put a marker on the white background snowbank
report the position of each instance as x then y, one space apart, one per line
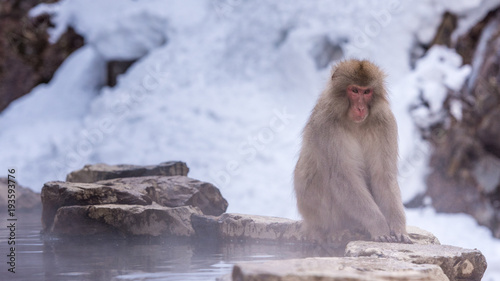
227 86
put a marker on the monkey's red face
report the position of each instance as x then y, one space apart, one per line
359 100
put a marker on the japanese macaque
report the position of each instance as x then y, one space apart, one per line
346 175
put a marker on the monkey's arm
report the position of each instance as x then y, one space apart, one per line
384 183
388 197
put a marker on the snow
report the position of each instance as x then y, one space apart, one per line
36 127
227 86
435 74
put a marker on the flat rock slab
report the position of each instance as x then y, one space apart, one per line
457 263
242 227
59 194
98 172
422 237
258 227
175 191
333 269
151 220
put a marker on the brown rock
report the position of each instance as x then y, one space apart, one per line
115 68
151 220
26 199
98 172
445 29
59 194
464 165
176 191
467 43
336 269
173 191
26 56
457 263
489 131
181 191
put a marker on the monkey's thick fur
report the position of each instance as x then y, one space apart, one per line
346 175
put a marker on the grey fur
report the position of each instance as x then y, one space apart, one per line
346 175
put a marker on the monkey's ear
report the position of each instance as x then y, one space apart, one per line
336 68
334 71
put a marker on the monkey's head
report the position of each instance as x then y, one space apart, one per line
358 88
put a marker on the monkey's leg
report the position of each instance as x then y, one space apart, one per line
308 191
352 198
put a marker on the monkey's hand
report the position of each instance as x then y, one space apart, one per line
394 238
401 237
386 239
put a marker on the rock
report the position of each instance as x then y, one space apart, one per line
465 151
420 236
466 44
175 191
489 130
26 56
457 263
115 68
445 29
98 172
423 260
26 199
331 269
151 220
252 227
59 194
242 227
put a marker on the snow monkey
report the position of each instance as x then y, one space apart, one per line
346 175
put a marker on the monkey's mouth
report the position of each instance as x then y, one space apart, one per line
359 117
361 120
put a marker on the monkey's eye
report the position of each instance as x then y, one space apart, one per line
354 90
367 92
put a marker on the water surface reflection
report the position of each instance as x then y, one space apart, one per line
119 259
